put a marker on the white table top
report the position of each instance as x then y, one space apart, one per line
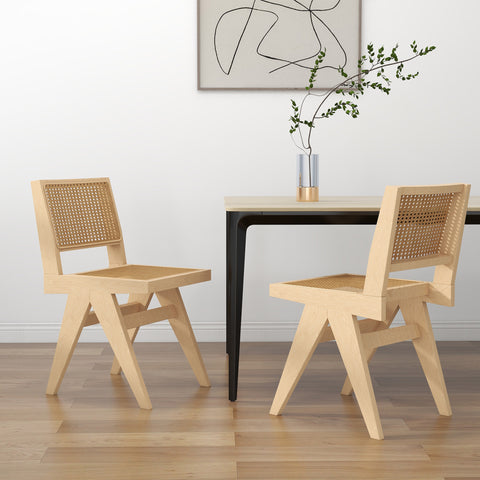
326 204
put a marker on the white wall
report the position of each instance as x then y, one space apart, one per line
108 88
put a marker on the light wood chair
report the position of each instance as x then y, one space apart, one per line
419 226
74 214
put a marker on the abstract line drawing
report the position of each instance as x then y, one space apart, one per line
273 43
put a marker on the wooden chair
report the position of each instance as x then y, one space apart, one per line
419 226
74 214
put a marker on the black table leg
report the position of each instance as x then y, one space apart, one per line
237 224
236 239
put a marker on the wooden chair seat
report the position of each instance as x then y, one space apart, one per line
127 279
417 227
346 291
348 282
81 213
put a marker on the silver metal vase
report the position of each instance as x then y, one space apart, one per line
307 177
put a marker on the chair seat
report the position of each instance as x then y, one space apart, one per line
349 283
127 279
346 289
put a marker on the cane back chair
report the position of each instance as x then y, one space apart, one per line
81 213
418 226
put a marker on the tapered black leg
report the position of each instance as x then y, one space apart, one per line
237 224
236 239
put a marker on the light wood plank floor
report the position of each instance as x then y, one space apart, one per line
94 430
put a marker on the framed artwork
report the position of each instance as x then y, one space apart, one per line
272 44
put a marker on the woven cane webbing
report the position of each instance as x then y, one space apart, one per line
138 272
421 225
82 214
345 281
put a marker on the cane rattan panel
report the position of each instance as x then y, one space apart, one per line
82 214
139 272
421 225
345 281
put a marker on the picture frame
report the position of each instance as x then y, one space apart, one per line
273 44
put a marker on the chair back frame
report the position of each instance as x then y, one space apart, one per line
74 214
419 226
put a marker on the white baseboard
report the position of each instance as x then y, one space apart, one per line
208 332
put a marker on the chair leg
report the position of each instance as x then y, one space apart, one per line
310 329
110 318
426 348
392 310
183 331
116 368
76 311
144 299
347 334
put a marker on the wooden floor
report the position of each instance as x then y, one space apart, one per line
94 430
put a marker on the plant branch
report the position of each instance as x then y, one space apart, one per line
353 85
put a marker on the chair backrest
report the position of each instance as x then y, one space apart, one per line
74 214
419 226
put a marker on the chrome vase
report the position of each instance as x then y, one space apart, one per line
307 177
